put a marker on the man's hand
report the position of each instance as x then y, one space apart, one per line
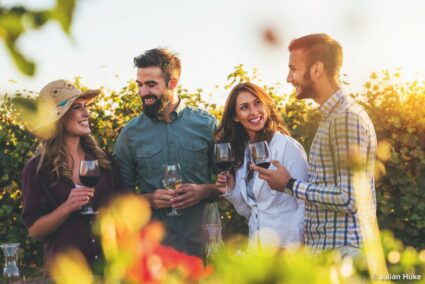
160 198
277 179
189 194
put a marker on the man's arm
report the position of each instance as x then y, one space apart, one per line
348 136
125 160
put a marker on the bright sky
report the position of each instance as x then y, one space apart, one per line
212 37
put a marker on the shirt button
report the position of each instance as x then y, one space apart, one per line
91 222
96 257
93 241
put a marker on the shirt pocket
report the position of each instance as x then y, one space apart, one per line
194 154
149 160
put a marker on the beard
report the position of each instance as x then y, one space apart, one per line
307 87
153 110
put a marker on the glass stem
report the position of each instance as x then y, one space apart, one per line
227 182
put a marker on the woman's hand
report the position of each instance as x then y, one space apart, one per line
78 197
49 223
225 182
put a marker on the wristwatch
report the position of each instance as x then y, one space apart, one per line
290 184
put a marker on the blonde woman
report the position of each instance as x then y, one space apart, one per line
51 202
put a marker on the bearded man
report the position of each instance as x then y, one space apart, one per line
169 132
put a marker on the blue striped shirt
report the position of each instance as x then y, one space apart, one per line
331 217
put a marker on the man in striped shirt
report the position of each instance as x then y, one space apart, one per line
343 150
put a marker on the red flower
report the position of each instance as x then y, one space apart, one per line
191 267
154 261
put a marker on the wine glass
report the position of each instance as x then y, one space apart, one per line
172 179
10 271
224 159
260 154
89 177
211 225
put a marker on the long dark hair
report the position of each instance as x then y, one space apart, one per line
230 131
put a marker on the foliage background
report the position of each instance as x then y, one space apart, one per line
395 108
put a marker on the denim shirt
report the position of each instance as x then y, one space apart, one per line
145 144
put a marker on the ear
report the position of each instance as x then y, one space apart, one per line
316 70
172 83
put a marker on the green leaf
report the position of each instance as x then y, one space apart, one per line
24 65
63 13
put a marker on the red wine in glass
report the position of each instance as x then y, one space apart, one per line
89 181
224 159
260 154
89 177
224 166
264 165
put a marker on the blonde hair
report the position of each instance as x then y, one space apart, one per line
53 153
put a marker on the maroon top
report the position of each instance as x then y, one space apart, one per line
41 195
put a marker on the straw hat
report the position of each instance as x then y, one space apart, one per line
54 101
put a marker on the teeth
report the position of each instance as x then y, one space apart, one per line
84 123
256 120
149 100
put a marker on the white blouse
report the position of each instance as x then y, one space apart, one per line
274 218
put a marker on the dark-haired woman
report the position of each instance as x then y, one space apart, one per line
274 219
51 200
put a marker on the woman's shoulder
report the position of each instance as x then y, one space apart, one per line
286 141
33 168
32 163
279 137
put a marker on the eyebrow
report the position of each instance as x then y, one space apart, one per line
147 82
247 103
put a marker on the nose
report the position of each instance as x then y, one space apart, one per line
289 78
255 110
143 90
86 111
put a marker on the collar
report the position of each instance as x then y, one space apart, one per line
177 112
327 108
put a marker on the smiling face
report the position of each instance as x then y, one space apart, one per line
76 119
251 113
153 90
299 75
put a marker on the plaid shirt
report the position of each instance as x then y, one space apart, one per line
331 218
